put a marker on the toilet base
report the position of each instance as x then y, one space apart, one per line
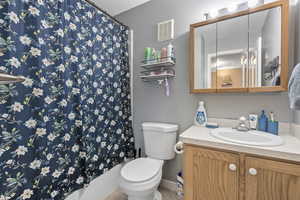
157 195
145 190
154 196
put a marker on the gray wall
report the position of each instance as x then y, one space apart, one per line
150 103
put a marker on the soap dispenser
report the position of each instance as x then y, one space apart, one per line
201 117
263 122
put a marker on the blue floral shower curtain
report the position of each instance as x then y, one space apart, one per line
69 122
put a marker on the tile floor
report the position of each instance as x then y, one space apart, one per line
166 195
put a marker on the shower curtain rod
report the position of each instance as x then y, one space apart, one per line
106 13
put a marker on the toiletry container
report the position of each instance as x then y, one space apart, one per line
153 56
170 51
158 56
180 186
148 54
263 122
164 53
253 121
201 117
273 126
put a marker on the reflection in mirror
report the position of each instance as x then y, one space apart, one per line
232 56
265 48
205 52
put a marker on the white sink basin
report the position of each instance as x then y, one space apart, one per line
252 138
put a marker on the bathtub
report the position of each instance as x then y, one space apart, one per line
100 188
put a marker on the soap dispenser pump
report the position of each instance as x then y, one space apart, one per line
201 117
263 122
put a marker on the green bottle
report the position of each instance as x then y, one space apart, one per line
148 54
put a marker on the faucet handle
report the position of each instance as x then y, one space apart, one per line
243 119
242 124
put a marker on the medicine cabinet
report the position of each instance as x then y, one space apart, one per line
242 52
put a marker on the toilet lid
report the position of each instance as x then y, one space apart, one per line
141 170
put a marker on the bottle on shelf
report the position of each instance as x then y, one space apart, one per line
170 54
148 54
153 56
164 54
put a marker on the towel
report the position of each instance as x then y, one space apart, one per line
294 89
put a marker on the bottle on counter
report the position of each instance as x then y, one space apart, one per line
263 122
201 117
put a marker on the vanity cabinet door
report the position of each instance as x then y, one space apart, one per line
210 175
271 180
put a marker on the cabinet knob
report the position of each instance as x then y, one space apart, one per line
253 171
232 167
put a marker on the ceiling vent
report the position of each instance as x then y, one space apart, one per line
166 30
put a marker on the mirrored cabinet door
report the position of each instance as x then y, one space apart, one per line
205 48
265 48
232 53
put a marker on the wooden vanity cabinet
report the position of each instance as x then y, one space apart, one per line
218 175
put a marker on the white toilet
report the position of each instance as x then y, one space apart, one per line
140 178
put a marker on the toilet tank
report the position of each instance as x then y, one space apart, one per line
159 139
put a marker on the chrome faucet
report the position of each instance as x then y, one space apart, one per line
242 125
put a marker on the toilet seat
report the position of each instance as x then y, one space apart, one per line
141 170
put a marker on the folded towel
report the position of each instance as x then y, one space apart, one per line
294 89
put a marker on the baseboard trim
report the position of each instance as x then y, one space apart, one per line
170 185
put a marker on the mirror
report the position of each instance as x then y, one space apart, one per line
232 59
265 48
242 52
206 52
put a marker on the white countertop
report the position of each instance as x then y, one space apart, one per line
290 150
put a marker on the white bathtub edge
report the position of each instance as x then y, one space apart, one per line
100 188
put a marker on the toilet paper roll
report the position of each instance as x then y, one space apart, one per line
178 148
